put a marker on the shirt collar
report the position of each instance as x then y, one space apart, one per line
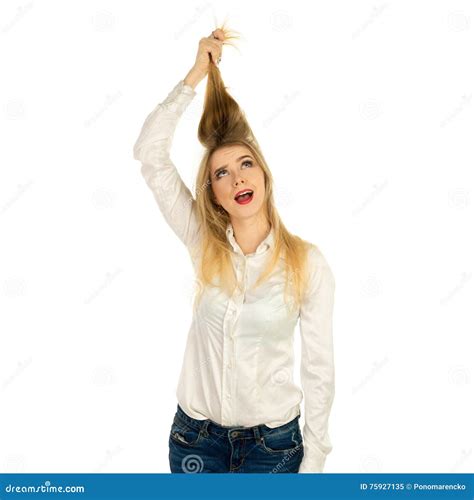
262 247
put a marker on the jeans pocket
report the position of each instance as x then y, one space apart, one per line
183 433
283 441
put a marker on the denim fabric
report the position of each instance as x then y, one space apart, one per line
205 446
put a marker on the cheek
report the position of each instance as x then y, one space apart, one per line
259 180
220 190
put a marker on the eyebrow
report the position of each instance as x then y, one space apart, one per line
238 159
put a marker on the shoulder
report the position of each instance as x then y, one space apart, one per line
315 255
318 265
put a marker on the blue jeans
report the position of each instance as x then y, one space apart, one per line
205 446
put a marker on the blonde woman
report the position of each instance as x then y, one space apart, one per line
238 407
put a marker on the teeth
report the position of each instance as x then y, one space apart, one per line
245 192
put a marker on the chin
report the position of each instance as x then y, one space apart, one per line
246 211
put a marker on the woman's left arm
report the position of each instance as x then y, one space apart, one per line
317 361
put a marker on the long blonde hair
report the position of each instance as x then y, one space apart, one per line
223 123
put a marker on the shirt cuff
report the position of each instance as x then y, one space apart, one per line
313 461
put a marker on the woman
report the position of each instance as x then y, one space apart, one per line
238 408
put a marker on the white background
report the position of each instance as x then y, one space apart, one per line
364 113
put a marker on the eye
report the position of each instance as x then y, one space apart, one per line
218 175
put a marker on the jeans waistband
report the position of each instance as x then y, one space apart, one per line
209 426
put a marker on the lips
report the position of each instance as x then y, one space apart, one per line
243 197
242 191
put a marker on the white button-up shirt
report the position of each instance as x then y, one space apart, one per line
238 362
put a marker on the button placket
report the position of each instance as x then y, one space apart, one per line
234 305
228 375
227 385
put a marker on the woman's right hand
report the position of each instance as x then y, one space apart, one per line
211 45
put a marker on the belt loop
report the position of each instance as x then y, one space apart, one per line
256 433
204 431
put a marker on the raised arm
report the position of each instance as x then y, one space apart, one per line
317 362
152 148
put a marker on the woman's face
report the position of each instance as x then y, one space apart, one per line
234 169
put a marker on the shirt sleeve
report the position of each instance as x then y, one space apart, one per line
317 362
152 149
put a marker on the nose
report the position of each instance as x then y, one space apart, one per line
238 181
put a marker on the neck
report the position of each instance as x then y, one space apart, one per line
249 233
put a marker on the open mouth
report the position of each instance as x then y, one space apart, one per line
244 198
